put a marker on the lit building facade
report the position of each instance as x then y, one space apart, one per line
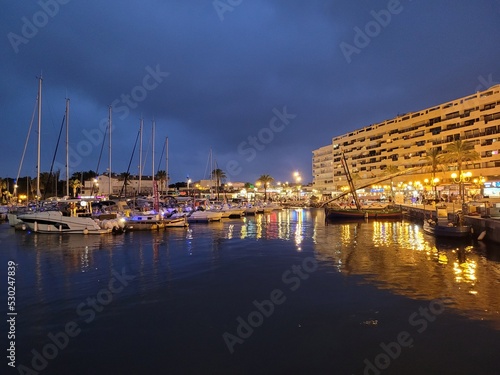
402 142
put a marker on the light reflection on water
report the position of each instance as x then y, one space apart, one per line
396 256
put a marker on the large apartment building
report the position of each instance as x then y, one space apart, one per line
402 142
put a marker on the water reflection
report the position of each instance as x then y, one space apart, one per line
396 255
400 257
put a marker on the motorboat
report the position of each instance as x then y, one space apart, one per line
203 216
144 221
57 222
176 222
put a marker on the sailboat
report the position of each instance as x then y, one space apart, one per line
338 212
53 220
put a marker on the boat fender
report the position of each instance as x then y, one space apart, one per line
85 231
482 235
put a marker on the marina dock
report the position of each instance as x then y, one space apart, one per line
479 224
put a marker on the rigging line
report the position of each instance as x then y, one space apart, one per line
54 157
130 163
143 166
209 165
100 156
161 157
27 139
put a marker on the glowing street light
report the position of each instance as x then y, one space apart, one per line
298 178
433 183
460 180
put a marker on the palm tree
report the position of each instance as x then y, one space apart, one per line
460 152
434 161
265 179
75 184
162 176
219 177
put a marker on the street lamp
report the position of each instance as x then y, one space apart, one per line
460 180
479 182
433 183
298 178
96 186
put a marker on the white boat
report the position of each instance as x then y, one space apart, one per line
264 209
177 222
204 216
4 210
14 211
56 222
250 210
234 211
144 221
274 206
229 211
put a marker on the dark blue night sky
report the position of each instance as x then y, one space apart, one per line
261 83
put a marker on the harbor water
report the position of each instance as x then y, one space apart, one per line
281 293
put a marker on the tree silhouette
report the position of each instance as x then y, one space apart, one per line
265 179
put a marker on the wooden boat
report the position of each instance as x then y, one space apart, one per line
339 213
450 230
441 226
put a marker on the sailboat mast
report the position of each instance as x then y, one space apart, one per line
109 124
140 155
166 164
38 194
153 151
211 162
67 147
350 182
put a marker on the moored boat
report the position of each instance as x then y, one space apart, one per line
56 222
177 222
442 226
339 213
204 216
449 230
144 221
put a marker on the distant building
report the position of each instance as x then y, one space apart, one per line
403 141
101 186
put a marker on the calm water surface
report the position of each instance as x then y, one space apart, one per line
272 294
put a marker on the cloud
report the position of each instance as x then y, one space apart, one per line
225 78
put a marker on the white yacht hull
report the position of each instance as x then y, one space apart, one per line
56 222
